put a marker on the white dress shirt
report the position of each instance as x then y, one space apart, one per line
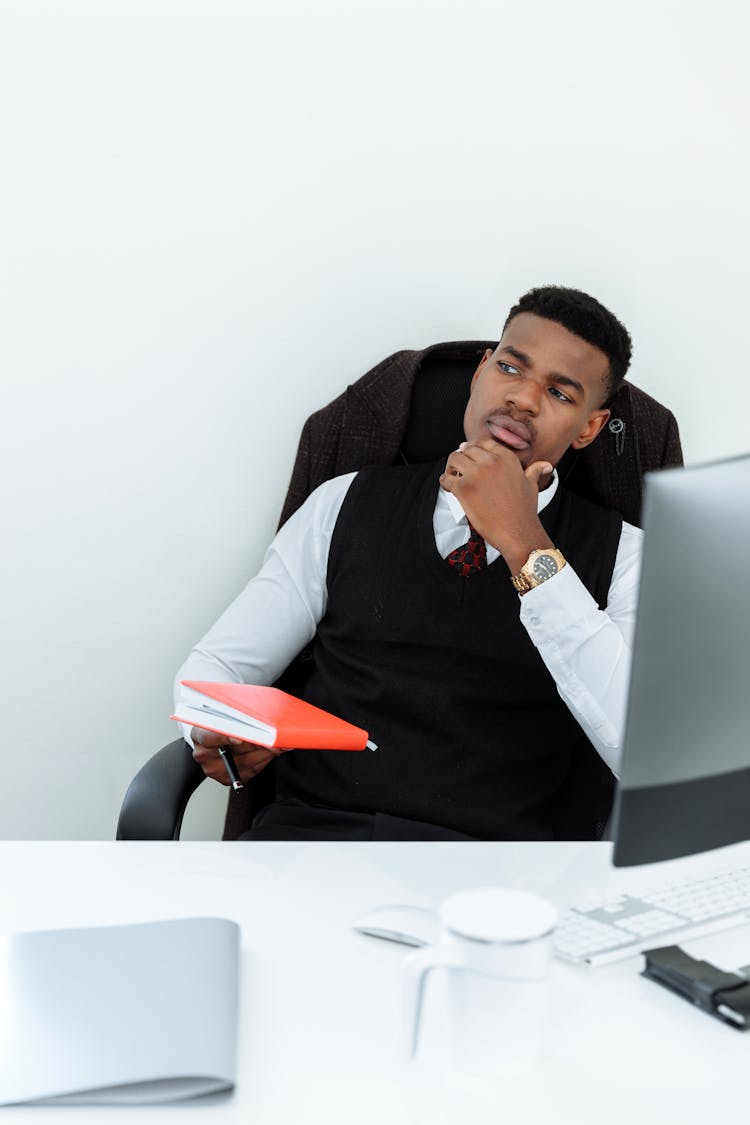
586 650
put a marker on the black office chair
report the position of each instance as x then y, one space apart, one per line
417 399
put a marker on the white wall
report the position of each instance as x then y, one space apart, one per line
215 214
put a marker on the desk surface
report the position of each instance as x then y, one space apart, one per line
320 1004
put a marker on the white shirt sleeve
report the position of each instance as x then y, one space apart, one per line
588 650
278 611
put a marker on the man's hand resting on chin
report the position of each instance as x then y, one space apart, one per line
499 497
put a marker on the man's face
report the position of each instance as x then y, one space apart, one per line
539 392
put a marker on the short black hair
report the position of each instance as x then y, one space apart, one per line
585 317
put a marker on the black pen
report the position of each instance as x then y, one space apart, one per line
231 767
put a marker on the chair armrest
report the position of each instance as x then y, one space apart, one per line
158 794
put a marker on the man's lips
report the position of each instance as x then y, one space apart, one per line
505 429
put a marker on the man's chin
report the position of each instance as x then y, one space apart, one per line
525 456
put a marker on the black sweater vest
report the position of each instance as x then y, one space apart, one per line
471 731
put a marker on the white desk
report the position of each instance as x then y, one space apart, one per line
320 1004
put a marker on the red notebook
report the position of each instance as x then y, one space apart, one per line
265 715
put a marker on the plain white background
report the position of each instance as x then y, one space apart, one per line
214 215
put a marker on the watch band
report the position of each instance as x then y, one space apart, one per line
542 563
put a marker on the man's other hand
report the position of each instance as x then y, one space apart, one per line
249 758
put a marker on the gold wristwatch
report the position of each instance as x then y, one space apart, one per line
541 564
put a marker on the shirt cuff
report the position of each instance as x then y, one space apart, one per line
186 735
550 608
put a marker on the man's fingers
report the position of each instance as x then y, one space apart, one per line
459 461
471 453
208 738
248 758
486 445
537 470
246 751
469 456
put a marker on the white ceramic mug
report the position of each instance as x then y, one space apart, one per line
497 946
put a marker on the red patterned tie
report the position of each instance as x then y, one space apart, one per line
470 557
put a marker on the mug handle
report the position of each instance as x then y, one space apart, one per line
415 968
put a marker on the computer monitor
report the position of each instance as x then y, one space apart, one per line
685 773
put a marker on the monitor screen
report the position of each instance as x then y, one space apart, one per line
685 774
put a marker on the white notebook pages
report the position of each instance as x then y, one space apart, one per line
119 1015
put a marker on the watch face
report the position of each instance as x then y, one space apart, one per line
544 567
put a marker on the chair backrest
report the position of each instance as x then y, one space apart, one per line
409 408
434 423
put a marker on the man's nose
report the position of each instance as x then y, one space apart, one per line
525 396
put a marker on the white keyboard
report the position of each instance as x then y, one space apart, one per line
623 926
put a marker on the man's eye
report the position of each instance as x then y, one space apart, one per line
511 370
559 394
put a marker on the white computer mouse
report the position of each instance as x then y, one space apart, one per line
409 925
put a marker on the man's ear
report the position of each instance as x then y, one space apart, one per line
597 420
487 353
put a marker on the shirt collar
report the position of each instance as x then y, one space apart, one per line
454 504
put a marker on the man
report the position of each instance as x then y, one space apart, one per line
487 678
